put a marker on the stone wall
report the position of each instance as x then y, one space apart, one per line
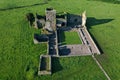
44 70
51 17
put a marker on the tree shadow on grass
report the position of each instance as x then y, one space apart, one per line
17 7
56 66
108 1
91 21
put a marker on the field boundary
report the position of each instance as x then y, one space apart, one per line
102 69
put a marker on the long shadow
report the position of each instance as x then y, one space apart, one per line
18 7
108 1
39 16
52 43
41 37
73 19
61 15
61 37
97 44
91 21
56 66
64 51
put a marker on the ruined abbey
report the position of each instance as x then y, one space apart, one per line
52 25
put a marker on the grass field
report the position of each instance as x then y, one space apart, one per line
19 56
110 1
69 38
17 3
72 69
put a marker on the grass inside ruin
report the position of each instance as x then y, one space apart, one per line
45 64
69 37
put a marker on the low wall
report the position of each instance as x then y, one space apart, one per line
44 72
98 52
47 48
57 43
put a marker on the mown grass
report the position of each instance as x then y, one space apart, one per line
19 56
4 4
69 38
74 68
110 1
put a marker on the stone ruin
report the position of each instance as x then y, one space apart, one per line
50 19
40 38
61 20
39 23
73 20
30 17
52 23
45 65
84 18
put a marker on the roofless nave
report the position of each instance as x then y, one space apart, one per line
52 27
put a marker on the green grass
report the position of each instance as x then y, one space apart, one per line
19 57
17 3
69 38
74 68
110 1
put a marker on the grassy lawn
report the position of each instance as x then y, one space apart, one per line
74 68
19 57
69 38
110 1
18 3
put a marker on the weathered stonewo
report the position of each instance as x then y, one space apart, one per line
51 17
40 38
84 18
88 47
30 17
45 65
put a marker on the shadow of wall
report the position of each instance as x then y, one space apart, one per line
17 7
91 21
108 1
64 51
56 66
61 37
73 19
